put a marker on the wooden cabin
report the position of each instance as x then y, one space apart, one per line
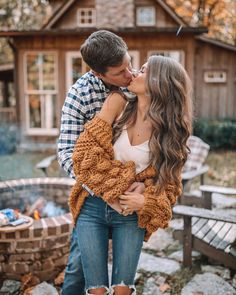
48 61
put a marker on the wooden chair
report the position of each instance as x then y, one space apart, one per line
194 167
209 232
45 163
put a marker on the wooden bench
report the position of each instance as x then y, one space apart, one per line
209 232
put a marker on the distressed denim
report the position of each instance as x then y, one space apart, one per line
92 229
74 282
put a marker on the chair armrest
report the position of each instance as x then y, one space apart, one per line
203 213
45 163
194 173
217 189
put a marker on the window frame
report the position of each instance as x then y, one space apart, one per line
93 17
159 51
141 24
215 79
69 77
42 93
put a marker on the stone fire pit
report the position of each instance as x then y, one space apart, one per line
42 249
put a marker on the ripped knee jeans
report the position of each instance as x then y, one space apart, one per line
94 222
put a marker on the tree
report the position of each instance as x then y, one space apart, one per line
20 15
23 14
219 16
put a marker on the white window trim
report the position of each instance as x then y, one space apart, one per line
92 24
182 54
69 77
215 79
138 23
38 131
136 58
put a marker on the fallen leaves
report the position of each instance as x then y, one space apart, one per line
164 287
59 279
28 281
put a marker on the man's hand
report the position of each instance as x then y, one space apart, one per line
136 187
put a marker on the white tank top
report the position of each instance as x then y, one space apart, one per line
124 151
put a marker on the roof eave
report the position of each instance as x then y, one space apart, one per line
84 31
216 42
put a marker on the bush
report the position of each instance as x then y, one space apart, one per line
8 139
217 133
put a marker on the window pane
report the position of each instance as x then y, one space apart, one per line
86 17
33 63
48 64
76 68
34 111
176 55
146 16
50 111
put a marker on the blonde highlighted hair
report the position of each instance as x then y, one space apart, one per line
170 112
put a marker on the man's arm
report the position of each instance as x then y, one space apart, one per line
72 124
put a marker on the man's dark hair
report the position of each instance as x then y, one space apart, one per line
103 49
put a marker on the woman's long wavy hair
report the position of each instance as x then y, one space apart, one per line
170 113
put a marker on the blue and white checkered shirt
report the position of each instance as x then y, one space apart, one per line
84 99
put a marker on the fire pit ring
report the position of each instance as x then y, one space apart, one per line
43 248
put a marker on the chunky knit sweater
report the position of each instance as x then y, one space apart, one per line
94 165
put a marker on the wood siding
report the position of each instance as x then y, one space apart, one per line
215 100
69 20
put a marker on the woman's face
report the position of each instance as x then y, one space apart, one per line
138 82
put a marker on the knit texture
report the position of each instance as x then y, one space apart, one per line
94 166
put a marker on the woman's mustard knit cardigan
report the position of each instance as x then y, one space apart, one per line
94 166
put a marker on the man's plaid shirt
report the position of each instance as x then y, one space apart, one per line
84 99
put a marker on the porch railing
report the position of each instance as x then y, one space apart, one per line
8 115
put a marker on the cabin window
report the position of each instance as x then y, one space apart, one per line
75 67
146 16
177 55
86 17
41 93
215 76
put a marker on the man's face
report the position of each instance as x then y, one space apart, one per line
118 76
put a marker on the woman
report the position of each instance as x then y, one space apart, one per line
149 145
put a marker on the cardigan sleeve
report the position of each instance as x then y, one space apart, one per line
94 164
157 209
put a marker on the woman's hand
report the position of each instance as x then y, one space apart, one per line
130 202
116 206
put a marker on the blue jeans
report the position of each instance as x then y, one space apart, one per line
74 282
92 229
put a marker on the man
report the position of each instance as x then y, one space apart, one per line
106 54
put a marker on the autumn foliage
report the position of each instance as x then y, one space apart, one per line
219 16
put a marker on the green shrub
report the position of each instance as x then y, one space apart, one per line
8 139
217 133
